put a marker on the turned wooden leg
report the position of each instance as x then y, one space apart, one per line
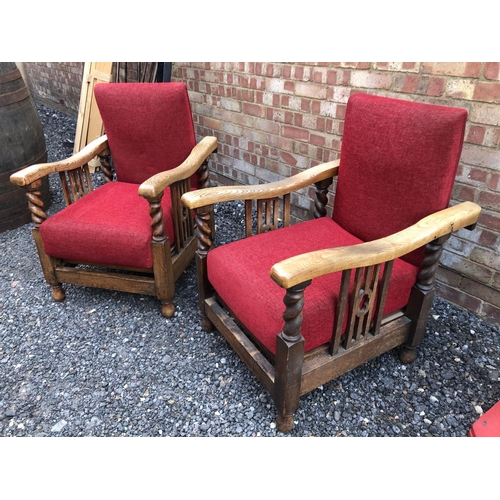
289 359
49 265
204 232
421 298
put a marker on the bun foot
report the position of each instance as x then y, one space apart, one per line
58 293
407 355
168 309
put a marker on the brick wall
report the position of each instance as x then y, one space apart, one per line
56 84
274 119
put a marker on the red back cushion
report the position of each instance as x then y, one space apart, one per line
149 127
398 164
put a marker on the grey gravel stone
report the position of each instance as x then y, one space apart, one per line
105 363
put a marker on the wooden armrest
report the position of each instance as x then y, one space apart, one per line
32 173
209 196
295 270
152 187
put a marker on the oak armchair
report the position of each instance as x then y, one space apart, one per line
305 303
132 233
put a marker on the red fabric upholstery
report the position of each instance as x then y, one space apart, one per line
149 127
398 164
239 272
110 226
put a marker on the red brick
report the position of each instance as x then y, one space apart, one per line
298 72
488 92
487 114
491 313
492 70
489 239
464 69
406 83
317 140
494 183
486 257
295 133
476 134
288 158
458 297
464 193
488 199
312 90
331 77
253 109
371 80
489 220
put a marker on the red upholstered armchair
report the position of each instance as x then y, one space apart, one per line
135 221
308 302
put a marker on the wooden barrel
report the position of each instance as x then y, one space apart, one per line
22 143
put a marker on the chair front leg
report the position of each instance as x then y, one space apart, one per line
162 259
48 263
421 298
289 358
204 216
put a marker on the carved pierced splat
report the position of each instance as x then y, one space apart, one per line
183 220
76 183
268 212
360 311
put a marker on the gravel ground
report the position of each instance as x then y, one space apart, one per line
105 363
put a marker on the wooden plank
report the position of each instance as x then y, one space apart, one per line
107 280
320 366
89 123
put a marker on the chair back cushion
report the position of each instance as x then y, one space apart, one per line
398 164
149 127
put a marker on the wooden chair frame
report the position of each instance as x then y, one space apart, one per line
292 373
169 260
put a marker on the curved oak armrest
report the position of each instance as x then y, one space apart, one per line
152 187
32 173
209 196
295 270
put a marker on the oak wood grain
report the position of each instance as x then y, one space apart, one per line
300 268
34 172
210 196
153 186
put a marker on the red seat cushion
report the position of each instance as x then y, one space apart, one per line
111 225
149 127
398 164
239 272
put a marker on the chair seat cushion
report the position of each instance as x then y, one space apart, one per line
240 273
109 226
